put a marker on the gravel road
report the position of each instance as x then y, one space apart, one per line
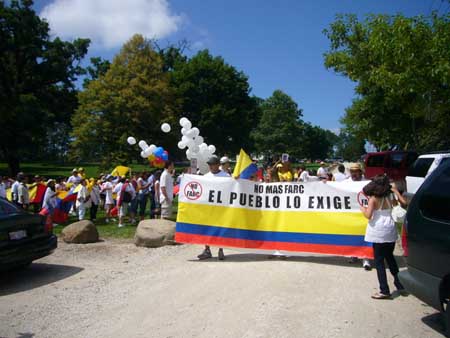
114 289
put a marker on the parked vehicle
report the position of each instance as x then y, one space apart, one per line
428 243
422 168
24 237
394 164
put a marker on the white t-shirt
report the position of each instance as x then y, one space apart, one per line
15 190
129 188
166 181
75 180
220 173
304 176
49 199
23 194
95 195
338 177
107 188
322 173
141 182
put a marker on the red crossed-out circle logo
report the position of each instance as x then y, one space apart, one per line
193 190
363 200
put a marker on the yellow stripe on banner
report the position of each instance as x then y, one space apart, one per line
339 223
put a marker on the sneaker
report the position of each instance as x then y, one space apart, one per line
107 220
366 265
221 254
120 225
205 254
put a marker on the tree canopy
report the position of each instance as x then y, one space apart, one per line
402 69
37 74
131 98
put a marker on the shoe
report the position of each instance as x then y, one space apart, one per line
366 265
380 295
221 254
120 225
399 285
107 220
353 260
205 254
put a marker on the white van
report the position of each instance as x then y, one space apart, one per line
422 168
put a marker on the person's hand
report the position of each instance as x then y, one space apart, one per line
362 208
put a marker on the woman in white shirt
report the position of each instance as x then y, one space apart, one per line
381 230
49 202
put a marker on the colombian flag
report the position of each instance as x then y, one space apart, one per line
245 167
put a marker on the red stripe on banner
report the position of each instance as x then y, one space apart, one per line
341 250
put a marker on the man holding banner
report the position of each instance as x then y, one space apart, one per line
214 171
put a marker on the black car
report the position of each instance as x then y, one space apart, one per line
24 237
428 243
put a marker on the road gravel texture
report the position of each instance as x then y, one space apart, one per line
114 289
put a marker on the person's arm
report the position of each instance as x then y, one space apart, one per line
368 211
400 198
164 193
157 192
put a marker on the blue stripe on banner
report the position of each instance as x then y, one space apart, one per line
249 171
273 236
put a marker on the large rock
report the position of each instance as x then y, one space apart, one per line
80 232
153 233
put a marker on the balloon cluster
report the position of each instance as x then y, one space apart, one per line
157 156
196 147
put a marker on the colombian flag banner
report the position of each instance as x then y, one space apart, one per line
311 217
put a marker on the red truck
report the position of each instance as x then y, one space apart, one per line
394 164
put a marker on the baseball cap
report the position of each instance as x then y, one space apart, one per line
213 160
224 160
355 166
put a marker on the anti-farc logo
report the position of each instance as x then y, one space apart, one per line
193 190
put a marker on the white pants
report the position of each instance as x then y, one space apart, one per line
81 211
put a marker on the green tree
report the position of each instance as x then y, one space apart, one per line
97 68
132 98
280 128
215 97
402 69
37 77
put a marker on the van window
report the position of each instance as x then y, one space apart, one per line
420 167
436 199
375 161
396 160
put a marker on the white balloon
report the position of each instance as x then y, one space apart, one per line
183 131
185 139
199 140
188 154
195 149
191 133
190 144
165 127
212 148
203 146
152 148
196 131
143 154
183 121
204 168
131 140
187 124
181 145
143 145
147 152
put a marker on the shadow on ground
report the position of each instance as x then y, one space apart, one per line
436 322
34 276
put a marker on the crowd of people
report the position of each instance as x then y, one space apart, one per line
130 197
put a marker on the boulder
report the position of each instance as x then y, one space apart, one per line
80 232
153 233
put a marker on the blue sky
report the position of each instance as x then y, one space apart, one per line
277 44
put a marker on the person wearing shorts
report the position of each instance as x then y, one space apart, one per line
166 190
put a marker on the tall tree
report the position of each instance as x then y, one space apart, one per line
215 97
37 77
132 98
280 128
402 69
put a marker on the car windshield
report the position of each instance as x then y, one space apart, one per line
7 208
420 167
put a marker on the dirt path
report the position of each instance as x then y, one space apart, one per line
112 289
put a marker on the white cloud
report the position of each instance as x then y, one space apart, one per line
110 23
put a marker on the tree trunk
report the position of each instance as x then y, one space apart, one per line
13 163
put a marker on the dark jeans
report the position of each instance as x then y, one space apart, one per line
381 252
142 200
93 211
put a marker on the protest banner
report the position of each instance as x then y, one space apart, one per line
299 217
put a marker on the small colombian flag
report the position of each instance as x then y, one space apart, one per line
245 167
